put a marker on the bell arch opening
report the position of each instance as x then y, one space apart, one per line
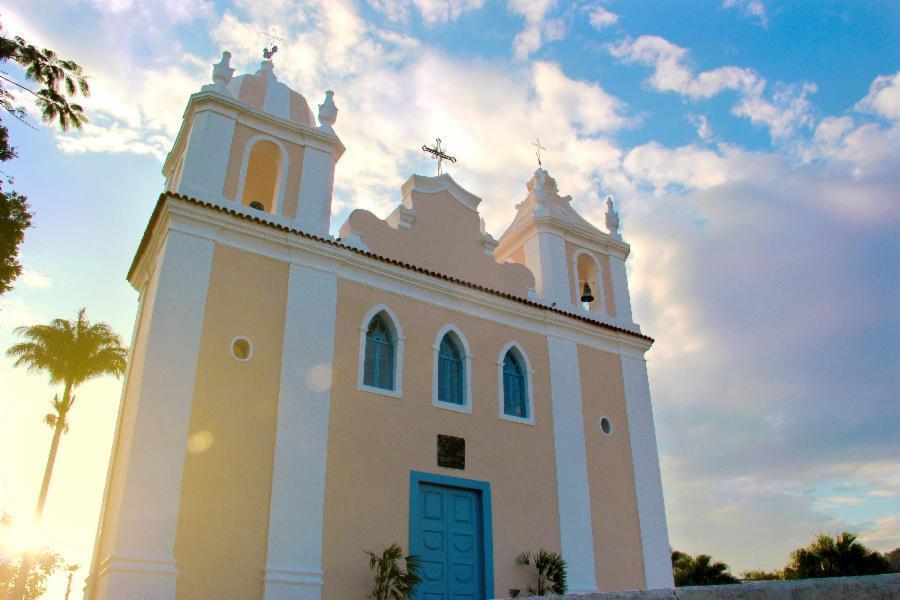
588 282
262 178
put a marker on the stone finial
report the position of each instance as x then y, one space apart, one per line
612 219
222 73
328 112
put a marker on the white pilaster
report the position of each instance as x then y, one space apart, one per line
206 156
621 296
316 184
141 562
545 255
294 563
647 482
573 488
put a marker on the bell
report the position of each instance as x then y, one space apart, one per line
586 295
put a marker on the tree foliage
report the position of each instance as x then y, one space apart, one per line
44 563
59 81
396 576
838 556
893 558
550 572
699 570
759 575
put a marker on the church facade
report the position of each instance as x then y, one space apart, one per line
295 399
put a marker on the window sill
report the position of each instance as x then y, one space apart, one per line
520 420
460 408
380 391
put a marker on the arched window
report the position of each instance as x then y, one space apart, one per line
262 176
588 277
515 386
450 372
378 370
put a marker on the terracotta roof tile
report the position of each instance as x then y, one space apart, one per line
166 195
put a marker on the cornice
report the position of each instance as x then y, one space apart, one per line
214 101
603 242
223 225
433 185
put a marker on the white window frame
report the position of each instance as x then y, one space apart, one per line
529 384
466 406
599 283
397 330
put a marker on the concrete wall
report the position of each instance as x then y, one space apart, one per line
876 587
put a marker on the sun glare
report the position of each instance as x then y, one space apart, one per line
23 535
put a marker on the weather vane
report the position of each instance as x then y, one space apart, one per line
537 144
271 37
438 154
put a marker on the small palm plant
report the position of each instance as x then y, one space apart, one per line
550 569
396 576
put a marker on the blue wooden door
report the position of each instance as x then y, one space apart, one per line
447 534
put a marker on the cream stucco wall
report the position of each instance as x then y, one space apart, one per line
617 535
220 546
376 440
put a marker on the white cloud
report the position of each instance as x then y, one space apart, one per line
432 11
787 110
34 279
704 131
601 18
750 8
883 97
537 29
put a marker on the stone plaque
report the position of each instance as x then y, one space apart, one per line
451 452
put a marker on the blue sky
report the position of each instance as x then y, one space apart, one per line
751 146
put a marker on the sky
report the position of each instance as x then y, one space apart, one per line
752 148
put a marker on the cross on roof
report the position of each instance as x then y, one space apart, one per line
537 144
438 153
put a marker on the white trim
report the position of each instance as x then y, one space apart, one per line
599 281
529 385
466 406
249 344
294 556
265 240
278 201
433 185
647 481
576 526
394 323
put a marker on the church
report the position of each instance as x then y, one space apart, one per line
295 398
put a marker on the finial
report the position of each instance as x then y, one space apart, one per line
537 144
612 219
328 112
221 75
268 53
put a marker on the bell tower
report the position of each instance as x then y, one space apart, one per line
576 266
251 143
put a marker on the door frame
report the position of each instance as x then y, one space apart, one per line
484 491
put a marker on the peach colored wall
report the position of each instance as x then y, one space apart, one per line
617 536
221 542
607 281
375 441
239 141
253 90
300 112
441 223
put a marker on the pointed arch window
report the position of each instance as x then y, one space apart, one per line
381 347
450 372
515 386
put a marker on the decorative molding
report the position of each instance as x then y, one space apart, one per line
400 217
433 185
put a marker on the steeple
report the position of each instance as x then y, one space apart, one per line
251 143
567 253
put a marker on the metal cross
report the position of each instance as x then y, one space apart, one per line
438 154
537 144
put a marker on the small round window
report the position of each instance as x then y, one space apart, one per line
605 426
241 349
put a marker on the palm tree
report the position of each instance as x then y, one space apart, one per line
392 580
839 556
699 570
71 353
